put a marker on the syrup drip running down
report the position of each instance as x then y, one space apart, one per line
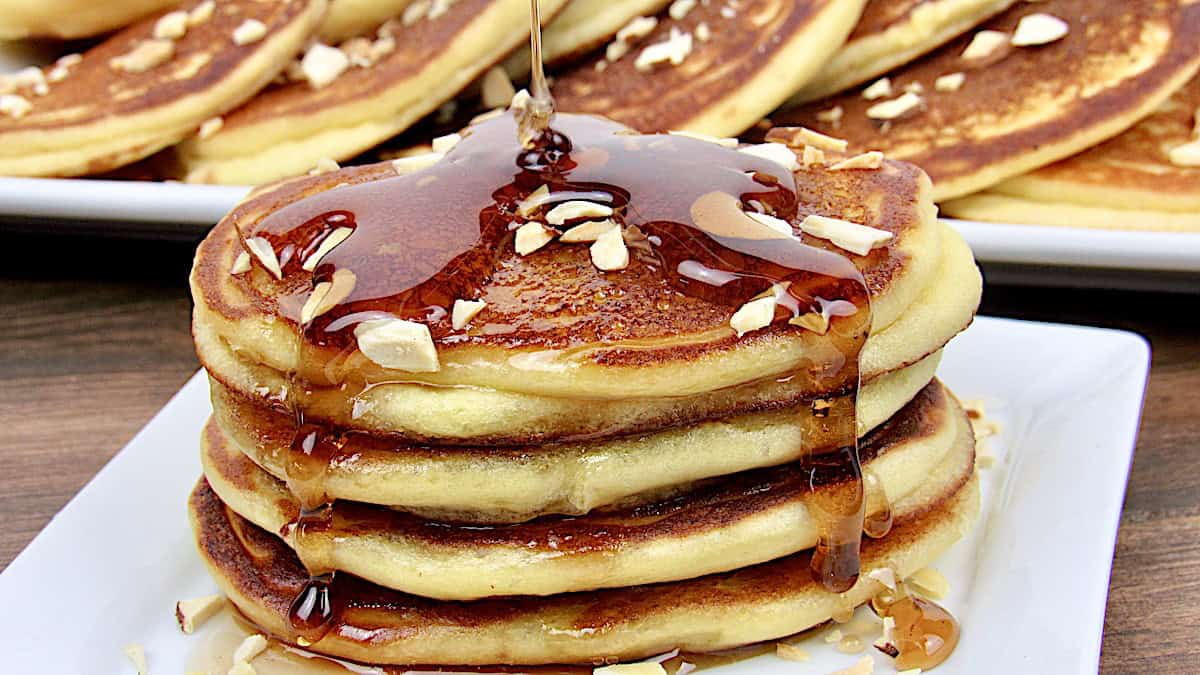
925 632
420 242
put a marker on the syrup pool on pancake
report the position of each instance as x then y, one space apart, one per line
718 228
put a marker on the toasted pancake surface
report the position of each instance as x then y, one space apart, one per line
120 103
771 600
1117 64
728 523
1128 182
71 19
752 60
287 129
644 345
581 26
892 33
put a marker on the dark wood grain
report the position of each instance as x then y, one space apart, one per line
94 340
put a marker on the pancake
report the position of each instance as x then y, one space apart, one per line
96 115
1117 64
1127 183
261 576
582 26
724 524
649 353
497 484
348 18
892 33
287 129
754 58
70 19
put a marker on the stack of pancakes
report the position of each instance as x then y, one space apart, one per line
597 466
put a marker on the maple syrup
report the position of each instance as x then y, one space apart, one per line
925 633
420 242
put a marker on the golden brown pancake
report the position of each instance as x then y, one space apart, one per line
96 115
70 19
348 18
287 129
1127 183
257 571
892 33
715 526
243 310
514 483
1117 64
754 58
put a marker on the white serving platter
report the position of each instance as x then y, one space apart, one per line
1029 584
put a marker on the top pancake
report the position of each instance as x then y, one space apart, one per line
70 19
754 57
287 129
1118 62
892 33
95 116
629 334
1128 182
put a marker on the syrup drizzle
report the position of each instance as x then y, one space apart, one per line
455 221
925 632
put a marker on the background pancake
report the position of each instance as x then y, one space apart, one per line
892 33
580 27
754 57
100 115
519 482
1129 182
685 351
724 524
772 600
71 18
348 18
287 129
1117 64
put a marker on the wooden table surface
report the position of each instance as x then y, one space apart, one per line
94 340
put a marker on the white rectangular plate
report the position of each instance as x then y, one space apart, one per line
1029 584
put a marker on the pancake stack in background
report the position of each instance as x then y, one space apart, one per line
979 93
467 418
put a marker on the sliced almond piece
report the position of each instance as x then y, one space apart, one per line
775 152
858 239
895 108
863 666
1039 29
532 236
790 652
754 315
413 163
14 106
930 582
886 643
832 115
241 264
812 321
261 248
249 32
631 669
148 55
251 647
609 252
464 311
398 344
806 136
202 12
881 88
674 50
444 144
587 232
866 160
812 156
323 64
137 655
520 100
534 201
323 166
577 209
723 142
950 82
778 224
983 44
496 89
885 576
681 8
190 614
1187 154
327 295
210 127
703 32
330 242
171 26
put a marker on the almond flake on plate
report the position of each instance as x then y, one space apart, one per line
190 614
